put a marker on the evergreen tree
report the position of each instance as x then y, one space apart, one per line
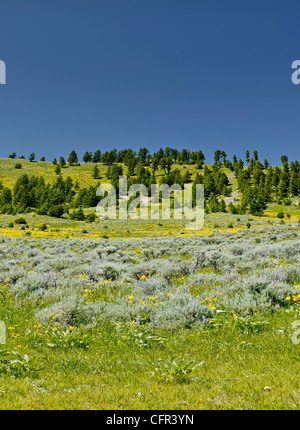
247 156
5 199
87 157
186 177
257 174
223 155
185 156
131 163
78 215
283 185
116 171
143 155
252 163
241 164
217 155
200 157
97 156
62 162
232 208
95 172
58 169
222 206
294 184
155 163
268 188
209 185
108 172
257 203
213 203
165 164
73 159
276 176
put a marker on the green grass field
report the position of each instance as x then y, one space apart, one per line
145 314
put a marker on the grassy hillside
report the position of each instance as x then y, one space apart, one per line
83 174
146 314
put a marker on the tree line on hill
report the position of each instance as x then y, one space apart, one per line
259 183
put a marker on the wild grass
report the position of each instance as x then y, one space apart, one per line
195 322
145 314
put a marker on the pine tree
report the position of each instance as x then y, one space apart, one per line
131 163
276 176
80 215
213 203
116 171
95 172
58 169
232 208
251 164
223 155
209 185
186 177
257 174
283 186
73 159
294 184
155 163
257 203
217 156
62 162
87 157
143 154
222 206
97 156
268 188
247 156
108 172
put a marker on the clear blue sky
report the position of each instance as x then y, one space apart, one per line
195 74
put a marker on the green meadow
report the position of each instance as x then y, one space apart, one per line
144 314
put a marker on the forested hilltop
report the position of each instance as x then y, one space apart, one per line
233 186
